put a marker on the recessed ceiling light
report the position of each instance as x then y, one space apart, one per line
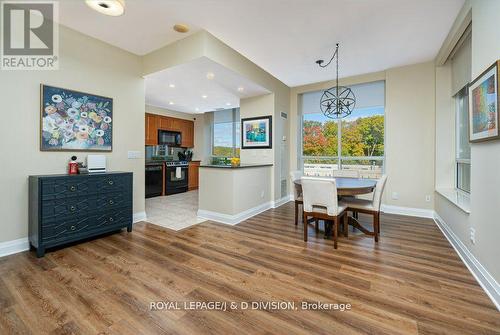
241 89
210 75
197 109
204 96
171 85
228 104
107 7
171 103
181 28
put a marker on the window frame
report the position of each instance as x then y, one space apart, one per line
460 161
235 140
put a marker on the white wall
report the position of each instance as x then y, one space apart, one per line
485 157
86 65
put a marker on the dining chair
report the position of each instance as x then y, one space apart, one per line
297 193
320 202
346 173
371 207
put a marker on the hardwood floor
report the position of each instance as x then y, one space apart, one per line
411 282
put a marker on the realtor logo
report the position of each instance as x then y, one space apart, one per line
30 35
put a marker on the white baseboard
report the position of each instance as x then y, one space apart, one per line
282 201
236 218
408 211
14 246
139 216
483 277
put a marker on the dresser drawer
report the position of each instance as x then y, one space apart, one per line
61 188
114 183
72 207
76 228
112 200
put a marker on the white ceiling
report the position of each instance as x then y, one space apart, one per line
284 37
191 84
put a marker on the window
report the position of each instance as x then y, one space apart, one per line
226 133
462 141
352 143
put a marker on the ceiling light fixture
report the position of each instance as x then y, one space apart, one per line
228 104
336 102
197 109
181 28
171 103
241 89
171 86
210 75
204 96
107 7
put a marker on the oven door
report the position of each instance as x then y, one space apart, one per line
176 182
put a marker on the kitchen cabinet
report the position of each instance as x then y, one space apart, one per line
193 175
155 122
151 132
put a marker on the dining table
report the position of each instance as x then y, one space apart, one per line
348 187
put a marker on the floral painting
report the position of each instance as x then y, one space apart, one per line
75 121
256 133
483 106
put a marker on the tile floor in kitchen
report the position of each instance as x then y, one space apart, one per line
176 212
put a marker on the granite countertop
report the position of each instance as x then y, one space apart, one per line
241 166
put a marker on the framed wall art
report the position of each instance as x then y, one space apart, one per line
256 133
483 106
75 121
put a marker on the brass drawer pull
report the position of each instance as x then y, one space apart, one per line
111 182
72 188
72 227
111 202
72 208
111 219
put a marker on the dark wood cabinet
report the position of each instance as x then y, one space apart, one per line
151 132
155 122
193 173
69 208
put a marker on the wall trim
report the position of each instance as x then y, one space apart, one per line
14 246
139 216
282 201
408 211
483 277
236 218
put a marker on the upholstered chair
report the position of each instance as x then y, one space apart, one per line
320 202
371 207
297 192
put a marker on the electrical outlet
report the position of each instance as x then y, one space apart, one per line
134 154
428 198
473 235
395 195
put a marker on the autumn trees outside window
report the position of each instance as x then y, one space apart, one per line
353 143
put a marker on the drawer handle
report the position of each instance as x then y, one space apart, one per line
72 208
111 182
111 202
111 219
72 188
72 227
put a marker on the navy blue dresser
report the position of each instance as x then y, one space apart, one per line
68 208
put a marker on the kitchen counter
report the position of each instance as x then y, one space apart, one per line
241 166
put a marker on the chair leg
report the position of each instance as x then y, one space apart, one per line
378 215
376 226
296 212
305 226
346 225
335 232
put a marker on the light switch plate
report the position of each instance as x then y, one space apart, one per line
134 155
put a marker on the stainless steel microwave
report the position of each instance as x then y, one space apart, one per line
169 138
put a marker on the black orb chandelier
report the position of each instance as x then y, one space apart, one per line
336 102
